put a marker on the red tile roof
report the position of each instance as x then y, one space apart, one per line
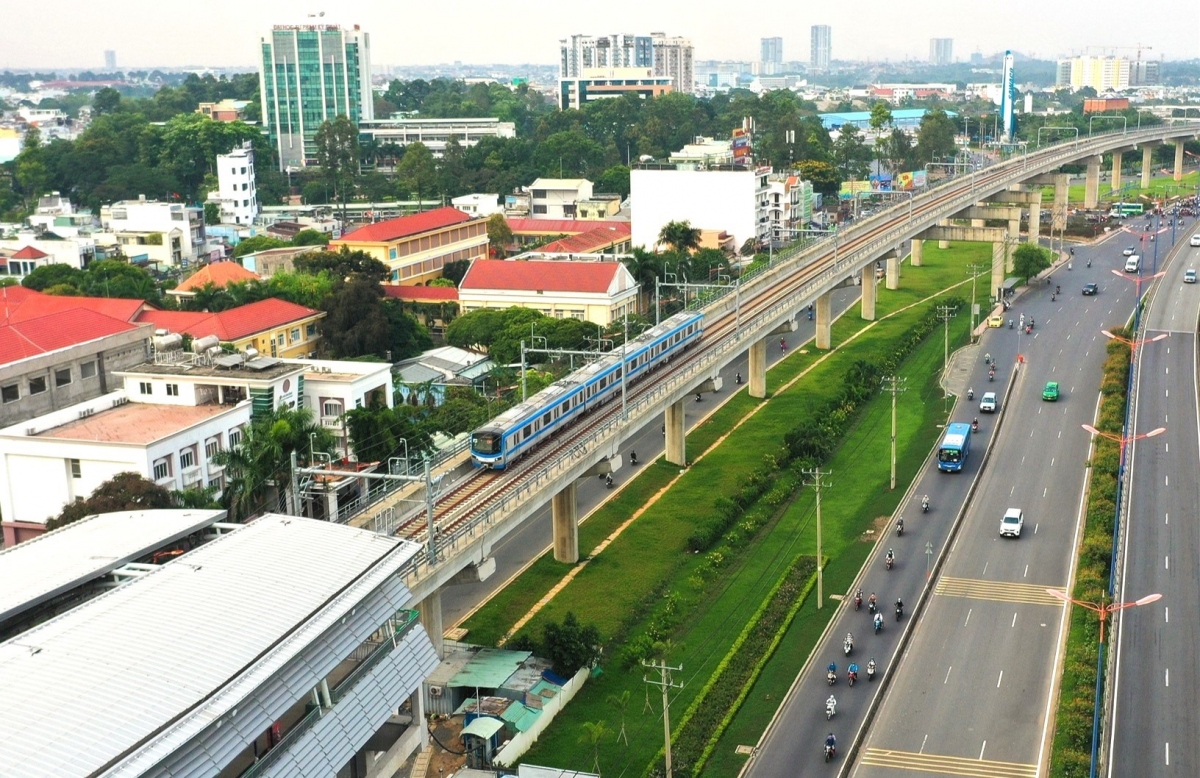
20 304
29 252
420 293
234 324
543 276
559 226
20 340
404 226
590 241
219 274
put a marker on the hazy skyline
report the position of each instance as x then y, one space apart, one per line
154 33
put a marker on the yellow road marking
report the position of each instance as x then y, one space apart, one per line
999 591
946 765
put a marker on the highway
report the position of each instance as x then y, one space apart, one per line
1156 689
976 677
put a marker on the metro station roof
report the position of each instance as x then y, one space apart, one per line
53 564
118 684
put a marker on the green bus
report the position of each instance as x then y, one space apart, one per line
1127 209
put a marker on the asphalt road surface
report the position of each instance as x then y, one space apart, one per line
520 548
1156 692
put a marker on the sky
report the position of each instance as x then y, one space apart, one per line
224 33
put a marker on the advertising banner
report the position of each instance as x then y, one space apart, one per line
881 183
850 188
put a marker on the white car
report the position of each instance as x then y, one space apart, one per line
1012 522
1189 276
987 404
1128 252
1195 241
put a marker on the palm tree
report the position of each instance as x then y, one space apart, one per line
257 470
646 268
621 702
593 733
680 236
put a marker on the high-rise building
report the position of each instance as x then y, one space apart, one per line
822 47
1100 73
673 59
1144 73
236 193
110 60
771 58
623 50
311 73
1008 92
941 51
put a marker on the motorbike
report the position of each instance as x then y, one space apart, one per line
608 481
878 625
1057 289
925 505
899 527
831 674
1089 263
899 611
872 606
857 600
1010 324
889 561
737 379
970 394
1028 329
830 752
633 457
871 671
974 428
828 710
1052 297
847 646
852 675
782 345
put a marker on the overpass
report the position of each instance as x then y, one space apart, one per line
460 528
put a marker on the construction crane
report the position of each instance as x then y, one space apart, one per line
1109 49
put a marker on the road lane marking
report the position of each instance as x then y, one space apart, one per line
923 741
1014 623
1166 518
985 742
1167 559
1167 450
1168 752
1051 461
1045 490
944 682
1166 480
1167 676
968 621
1167 615
995 591
1035 528
942 764
1026 573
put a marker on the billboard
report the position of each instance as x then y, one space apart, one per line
851 188
881 182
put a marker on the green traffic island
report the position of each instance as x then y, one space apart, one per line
1071 750
681 581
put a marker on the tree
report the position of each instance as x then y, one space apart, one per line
417 171
679 236
46 276
614 180
375 434
851 155
355 324
257 470
122 492
212 213
257 243
500 235
1029 260
570 645
881 116
896 151
106 100
337 154
646 268
823 176
935 137
593 733
311 237
407 335
343 264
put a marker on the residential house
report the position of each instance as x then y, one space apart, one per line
272 327
439 304
425 379
599 292
478 205
556 198
334 387
614 238
268 262
218 274
527 232
727 198
417 247
150 232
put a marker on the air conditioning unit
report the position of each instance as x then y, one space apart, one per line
435 691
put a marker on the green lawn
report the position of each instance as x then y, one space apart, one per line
1160 186
624 588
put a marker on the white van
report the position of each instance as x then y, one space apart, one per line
1133 263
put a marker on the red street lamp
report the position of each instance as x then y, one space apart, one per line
1137 278
1103 608
1133 344
1121 441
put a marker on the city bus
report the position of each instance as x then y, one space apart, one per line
956 444
1127 209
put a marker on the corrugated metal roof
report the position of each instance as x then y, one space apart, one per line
133 675
58 561
490 668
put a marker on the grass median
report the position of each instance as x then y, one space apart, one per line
646 571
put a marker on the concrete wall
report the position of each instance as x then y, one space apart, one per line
104 355
523 741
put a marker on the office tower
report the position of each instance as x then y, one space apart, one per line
1100 73
941 51
622 50
1144 72
822 47
1007 93
771 58
311 73
110 60
673 59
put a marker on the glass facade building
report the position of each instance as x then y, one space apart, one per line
311 73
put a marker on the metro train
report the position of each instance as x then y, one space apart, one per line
522 427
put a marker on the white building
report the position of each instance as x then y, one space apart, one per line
478 205
604 83
729 199
673 59
168 233
599 292
30 249
1100 73
821 50
703 152
334 387
941 51
435 133
236 191
789 205
556 198
624 50
165 424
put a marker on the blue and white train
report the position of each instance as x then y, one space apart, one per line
519 429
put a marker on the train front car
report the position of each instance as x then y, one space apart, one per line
487 447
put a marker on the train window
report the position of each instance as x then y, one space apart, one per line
527 431
546 419
485 443
565 406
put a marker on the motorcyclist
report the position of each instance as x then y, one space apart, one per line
633 457
852 673
831 743
925 499
831 673
849 639
899 606
1072 251
871 668
1010 324
1057 289
782 344
890 558
737 378
831 705
987 358
971 393
858 598
975 424
871 603
878 620
697 397
900 526
608 480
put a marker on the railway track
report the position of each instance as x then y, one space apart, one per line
764 299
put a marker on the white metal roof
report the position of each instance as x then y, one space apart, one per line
54 563
143 667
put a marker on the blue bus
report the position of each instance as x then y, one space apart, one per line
956 444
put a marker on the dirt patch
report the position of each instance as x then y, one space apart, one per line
879 526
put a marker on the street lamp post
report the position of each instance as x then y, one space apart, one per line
1102 609
1122 440
1137 279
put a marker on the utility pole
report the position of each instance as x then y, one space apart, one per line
974 269
815 475
665 682
946 313
895 385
